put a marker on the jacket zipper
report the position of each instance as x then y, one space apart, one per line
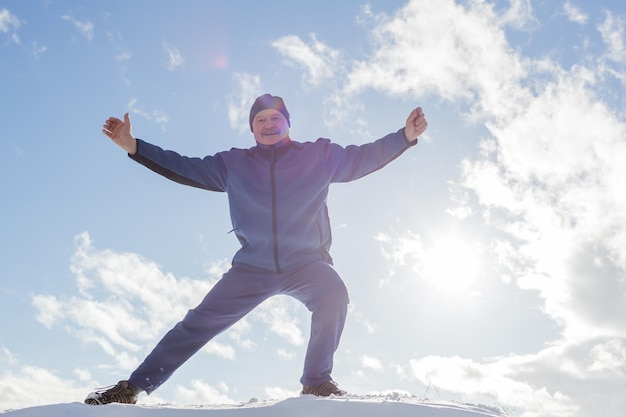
274 211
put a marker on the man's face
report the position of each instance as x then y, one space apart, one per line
269 126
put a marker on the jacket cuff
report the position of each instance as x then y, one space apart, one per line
134 156
409 144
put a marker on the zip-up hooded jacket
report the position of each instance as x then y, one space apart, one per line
277 194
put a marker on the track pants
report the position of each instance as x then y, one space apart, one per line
318 286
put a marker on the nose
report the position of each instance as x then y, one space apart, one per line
270 125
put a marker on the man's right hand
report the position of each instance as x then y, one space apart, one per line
120 132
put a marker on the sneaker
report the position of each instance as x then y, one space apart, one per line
323 390
124 392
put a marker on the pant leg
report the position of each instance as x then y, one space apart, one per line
324 293
235 295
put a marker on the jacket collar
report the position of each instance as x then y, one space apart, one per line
277 149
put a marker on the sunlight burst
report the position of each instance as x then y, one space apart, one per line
451 265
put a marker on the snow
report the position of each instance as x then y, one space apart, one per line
305 406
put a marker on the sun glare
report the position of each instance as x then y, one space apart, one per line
451 265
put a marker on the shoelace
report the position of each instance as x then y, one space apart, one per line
103 389
325 389
113 393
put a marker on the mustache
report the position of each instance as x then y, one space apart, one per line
270 131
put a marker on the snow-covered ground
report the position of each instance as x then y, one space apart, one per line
306 406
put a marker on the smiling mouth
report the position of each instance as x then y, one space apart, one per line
270 132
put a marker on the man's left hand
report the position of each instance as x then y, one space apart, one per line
415 125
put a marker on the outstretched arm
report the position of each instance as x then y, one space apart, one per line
415 125
120 132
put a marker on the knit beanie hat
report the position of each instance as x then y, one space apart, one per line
268 101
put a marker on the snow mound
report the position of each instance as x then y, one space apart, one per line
305 406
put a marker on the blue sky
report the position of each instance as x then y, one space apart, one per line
484 265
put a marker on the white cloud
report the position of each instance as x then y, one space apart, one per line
38 50
50 309
7 356
9 24
431 260
318 60
18 388
574 13
612 31
371 363
174 57
492 380
285 354
549 176
400 250
556 182
202 393
8 20
82 374
117 41
359 318
279 393
160 117
519 15
126 303
279 314
443 48
551 382
85 27
248 88
325 65
339 106
220 349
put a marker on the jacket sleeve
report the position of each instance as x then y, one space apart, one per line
356 161
208 173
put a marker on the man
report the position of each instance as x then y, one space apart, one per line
277 193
